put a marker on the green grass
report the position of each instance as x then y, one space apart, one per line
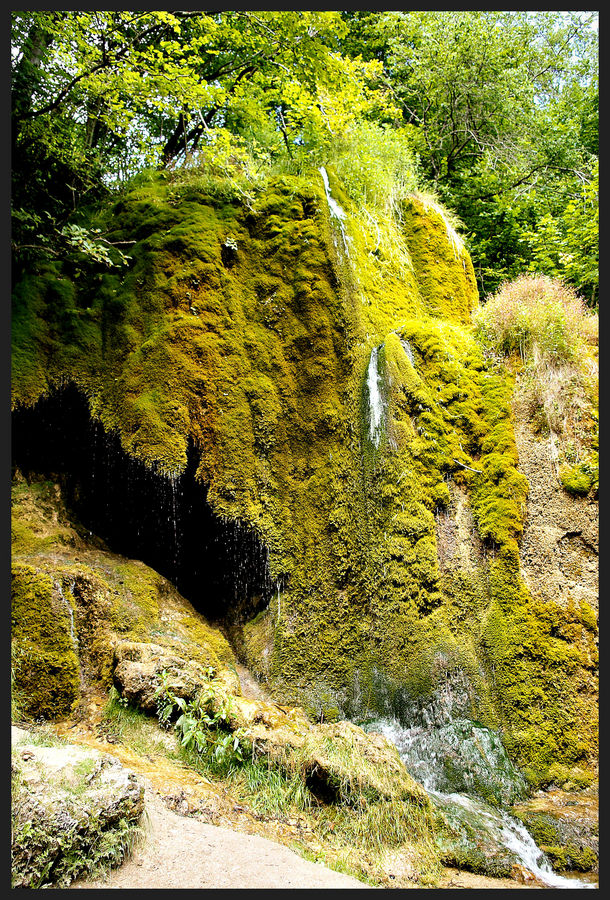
137 730
356 824
355 827
42 736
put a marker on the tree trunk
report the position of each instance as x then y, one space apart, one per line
26 76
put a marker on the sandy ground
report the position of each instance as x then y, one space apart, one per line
180 852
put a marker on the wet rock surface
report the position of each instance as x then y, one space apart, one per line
471 841
489 842
459 756
338 759
566 827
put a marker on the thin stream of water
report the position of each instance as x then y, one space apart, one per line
73 634
373 381
337 212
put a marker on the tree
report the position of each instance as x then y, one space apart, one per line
97 96
566 245
501 108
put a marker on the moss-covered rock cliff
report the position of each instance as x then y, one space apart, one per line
336 405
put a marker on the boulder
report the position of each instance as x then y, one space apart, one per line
340 761
74 810
138 667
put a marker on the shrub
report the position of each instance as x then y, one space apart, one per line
540 318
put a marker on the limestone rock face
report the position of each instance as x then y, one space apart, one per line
313 442
137 667
560 547
79 610
73 808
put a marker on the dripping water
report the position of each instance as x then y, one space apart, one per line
73 635
220 565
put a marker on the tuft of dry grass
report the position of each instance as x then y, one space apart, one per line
545 327
542 319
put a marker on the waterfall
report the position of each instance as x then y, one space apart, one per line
507 831
464 812
458 756
337 212
373 381
374 384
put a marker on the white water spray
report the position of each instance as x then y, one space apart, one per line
337 212
373 381
173 481
502 828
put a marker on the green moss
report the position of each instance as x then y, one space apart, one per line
565 855
45 664
571 858
543 678
68 615
500 492
56 838
136 605
579 479
443 269
248 331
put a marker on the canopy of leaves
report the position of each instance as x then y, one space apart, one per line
97 96
502 109
497 110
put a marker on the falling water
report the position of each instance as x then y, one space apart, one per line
373 380
336 211
73 634
174 482
492 824
406 346
163 519
503 829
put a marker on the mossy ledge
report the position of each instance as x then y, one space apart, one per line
242 330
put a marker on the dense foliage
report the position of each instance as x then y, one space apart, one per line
497 112
502 109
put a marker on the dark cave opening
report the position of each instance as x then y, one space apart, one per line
220 566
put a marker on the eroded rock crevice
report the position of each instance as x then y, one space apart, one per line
221 566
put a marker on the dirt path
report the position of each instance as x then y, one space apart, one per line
180 852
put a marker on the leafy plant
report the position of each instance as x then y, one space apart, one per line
203 723
93 245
